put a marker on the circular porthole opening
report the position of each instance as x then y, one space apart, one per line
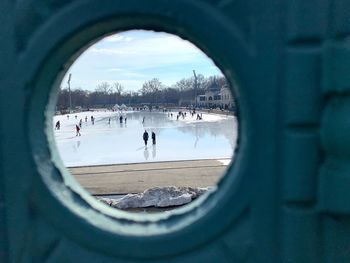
145 122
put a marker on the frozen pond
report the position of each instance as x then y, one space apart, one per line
102 143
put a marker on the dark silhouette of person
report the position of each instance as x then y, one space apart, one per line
121 119
78 130
145 137
58 125
153 138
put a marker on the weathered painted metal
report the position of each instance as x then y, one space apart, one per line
285 198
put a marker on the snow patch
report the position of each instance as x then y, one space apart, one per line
156 197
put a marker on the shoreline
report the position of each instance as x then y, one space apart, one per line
136 178
165 161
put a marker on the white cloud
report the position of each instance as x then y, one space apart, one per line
167 45
117 38
114 69
133 57
148 53
126 73
110 51
113 38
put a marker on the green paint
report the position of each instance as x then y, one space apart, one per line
285 198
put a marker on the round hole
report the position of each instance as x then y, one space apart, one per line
145 122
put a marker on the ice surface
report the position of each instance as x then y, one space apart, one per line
102 143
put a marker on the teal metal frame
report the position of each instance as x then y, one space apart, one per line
285 198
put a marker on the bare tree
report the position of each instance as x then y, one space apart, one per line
184 84
151 90
118 90
151 86
104 88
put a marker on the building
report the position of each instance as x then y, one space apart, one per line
216 96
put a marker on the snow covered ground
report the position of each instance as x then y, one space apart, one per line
102 143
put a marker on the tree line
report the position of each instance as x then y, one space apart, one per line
152 92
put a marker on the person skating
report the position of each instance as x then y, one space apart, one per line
80 123
145 137
121 119
153 138
58 125
77 128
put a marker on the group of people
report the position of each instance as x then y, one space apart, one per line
146 136
79 126
184 114
121 119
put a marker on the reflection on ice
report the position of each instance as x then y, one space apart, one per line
112 137
154 151
146 153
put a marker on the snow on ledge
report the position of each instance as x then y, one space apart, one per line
156 197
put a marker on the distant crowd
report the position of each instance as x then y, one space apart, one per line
145 136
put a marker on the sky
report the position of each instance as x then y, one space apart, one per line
135 56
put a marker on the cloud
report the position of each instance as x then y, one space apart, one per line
148 53
125 73
165 45
117 38
110 51
114 69
136 56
